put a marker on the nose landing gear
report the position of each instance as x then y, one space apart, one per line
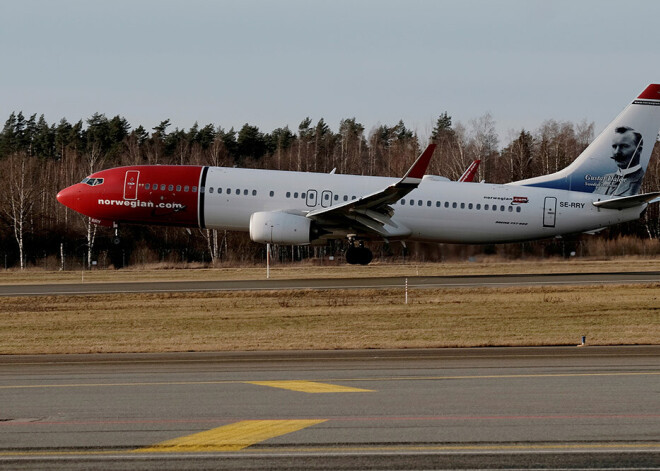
359 255
116 239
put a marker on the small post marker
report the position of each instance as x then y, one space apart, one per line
584 341
406 290
268 261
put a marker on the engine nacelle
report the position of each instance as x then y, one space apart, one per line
277 227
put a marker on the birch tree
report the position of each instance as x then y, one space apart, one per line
21 192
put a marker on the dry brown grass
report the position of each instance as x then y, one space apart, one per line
331 319
483 266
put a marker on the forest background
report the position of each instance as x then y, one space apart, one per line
37 159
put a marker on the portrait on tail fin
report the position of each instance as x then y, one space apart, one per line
627 146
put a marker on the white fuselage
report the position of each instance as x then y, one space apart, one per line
438 210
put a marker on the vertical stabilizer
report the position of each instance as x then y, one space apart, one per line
615 162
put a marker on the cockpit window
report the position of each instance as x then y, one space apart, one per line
92 181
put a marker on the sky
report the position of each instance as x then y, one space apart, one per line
274 63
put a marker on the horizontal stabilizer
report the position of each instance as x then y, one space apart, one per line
628 201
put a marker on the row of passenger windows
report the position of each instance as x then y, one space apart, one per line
235 191
327 195
164 186
454 205
187 188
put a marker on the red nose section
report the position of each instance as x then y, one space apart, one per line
69 197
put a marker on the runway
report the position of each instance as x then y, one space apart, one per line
331 283
556 407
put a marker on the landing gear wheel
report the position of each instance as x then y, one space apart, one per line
358 256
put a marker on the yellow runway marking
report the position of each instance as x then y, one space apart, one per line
308 386
233 437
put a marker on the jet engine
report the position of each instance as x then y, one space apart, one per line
278 227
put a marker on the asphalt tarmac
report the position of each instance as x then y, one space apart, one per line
338 283
505 408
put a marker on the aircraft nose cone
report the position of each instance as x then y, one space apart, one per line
67 197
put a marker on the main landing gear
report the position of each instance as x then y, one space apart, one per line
359 255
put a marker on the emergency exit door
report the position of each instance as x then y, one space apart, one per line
550 211
131 184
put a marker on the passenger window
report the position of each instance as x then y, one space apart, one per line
510 209
478 206
178 188
303 195
336 197
288 194
518 209
210 189
446 204
462 205
501 208
412 202
454 205
194 189
353 197
170 188
437 204
295 194
494 207
470 206
147 186
186 189
254 192
238 192
155 186
419 202
345 197
201 189
403 201
272 193
485 207
245 192
162 187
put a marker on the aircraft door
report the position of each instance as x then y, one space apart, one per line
131 184
326 198
311 198
549 211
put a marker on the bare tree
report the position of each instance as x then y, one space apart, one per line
20 193
483 143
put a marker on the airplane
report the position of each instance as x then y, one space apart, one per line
600 188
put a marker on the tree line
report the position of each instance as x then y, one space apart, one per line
37 159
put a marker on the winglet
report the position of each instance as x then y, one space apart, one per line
470 172
416 172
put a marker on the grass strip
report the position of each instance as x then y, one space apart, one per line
331 319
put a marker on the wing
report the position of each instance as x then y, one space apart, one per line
372 213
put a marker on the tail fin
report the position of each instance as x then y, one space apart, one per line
615 162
